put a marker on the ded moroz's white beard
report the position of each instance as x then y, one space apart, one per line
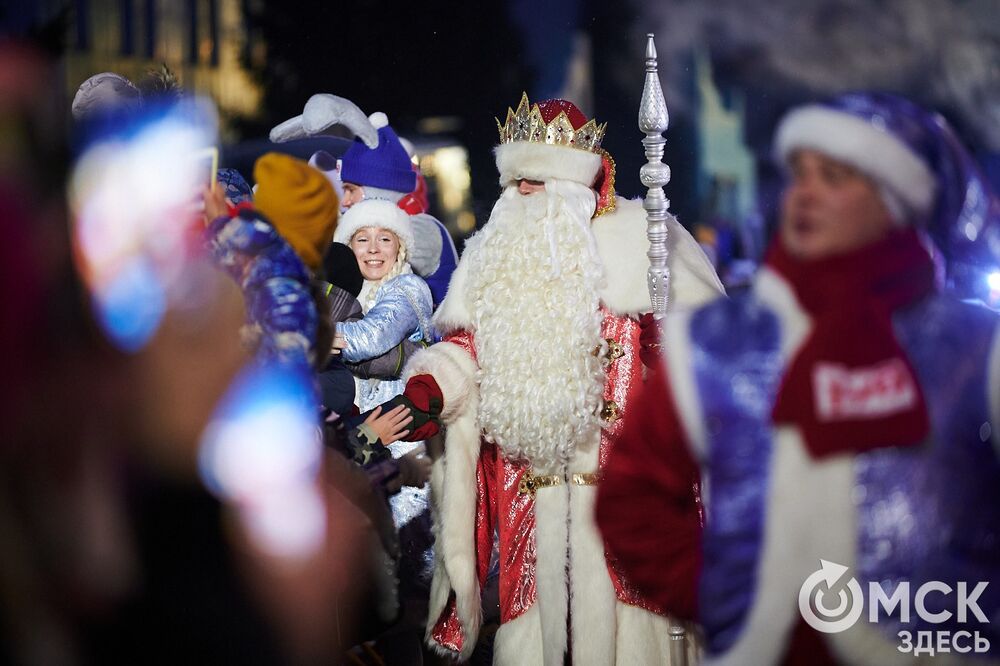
534 295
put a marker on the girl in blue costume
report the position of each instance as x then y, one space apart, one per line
397 306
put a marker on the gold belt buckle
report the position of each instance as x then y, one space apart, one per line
530 483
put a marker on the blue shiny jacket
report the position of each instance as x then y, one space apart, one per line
402 309
275 284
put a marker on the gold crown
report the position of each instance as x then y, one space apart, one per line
526 124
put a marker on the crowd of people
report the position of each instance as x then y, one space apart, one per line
505 457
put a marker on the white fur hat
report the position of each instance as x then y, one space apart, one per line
567 147
867 143
375 213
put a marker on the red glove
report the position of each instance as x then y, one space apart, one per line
425 400
649 341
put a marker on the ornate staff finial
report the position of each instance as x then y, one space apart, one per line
653 122
654 174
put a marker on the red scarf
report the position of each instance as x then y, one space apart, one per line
851 387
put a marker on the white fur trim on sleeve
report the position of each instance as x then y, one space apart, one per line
539 161
857 142
455 373
693 280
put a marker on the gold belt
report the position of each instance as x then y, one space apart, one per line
531 483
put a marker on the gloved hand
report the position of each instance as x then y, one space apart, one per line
424 399
649 341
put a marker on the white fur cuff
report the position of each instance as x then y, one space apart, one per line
455 373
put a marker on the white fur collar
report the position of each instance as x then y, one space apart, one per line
622 245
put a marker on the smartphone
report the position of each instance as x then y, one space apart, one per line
207 164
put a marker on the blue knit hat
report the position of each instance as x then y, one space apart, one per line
387 166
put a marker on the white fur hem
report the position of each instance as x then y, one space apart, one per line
519 642
455 373
540 161
593 599
640 638
644 638
857 142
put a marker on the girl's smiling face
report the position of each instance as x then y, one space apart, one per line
376 249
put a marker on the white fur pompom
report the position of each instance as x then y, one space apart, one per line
378 120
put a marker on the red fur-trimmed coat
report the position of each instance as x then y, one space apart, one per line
475 489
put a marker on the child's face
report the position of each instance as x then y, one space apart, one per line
376 250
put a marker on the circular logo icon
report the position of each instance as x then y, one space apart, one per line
830 601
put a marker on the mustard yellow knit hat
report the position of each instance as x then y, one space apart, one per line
300 202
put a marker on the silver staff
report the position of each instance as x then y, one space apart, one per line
654 174
653 121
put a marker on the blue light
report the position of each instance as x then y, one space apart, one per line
131 307
261 454
993 280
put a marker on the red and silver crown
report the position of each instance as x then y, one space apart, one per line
550 139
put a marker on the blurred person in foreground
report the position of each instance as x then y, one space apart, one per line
113 551
843 417
539 362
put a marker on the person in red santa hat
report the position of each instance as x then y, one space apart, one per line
539 362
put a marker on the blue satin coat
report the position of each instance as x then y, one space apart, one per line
275 284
